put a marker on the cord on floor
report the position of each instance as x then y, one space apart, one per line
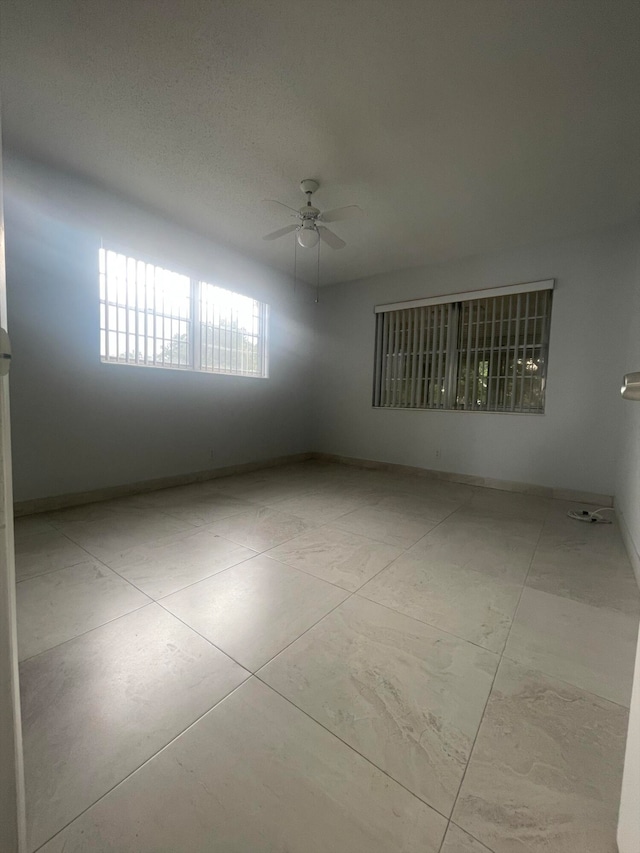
592 517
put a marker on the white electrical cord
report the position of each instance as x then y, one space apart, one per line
593 517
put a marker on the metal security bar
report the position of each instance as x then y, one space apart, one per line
502 353
488 354
232 332
154 317
412 358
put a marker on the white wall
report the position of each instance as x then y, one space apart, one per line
628 510
628 483
572 446
78 424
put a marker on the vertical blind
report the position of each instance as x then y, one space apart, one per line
483 354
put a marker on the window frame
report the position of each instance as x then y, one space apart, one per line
194 322
443 384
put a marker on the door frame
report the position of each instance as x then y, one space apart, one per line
12 791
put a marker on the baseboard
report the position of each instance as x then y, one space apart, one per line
629 544
484 482
49 504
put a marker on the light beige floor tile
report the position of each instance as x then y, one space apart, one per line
361 493
469 604
385 525
458 841
95 708
61 605
45 552
107 531
430 488
254 775
260 528
267 489
197 504
345 559
568 538
524 528
406 696
96 511
252 611
580 570
167 565
511 504
319 507
29 525
546 769
488 547
433 508
591 647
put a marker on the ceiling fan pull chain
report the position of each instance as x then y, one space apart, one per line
318 276
295 262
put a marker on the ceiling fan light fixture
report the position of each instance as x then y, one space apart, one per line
308 236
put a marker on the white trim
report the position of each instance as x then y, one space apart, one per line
507 290
630 545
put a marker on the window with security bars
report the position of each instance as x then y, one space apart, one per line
485 354
154 317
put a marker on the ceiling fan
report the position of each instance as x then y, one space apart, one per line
310 226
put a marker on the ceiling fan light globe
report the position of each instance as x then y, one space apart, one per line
308 237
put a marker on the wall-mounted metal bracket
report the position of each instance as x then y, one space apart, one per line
631 386
5 352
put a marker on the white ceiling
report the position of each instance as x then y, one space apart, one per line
460 126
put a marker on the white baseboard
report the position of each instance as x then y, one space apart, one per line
48 504
483 482
629 544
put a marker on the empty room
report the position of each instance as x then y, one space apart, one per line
320 426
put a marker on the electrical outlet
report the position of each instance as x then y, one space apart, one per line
212 455
437 454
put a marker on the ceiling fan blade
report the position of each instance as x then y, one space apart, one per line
330 238
280 232
271 201
339 213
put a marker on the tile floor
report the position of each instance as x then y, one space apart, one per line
322 659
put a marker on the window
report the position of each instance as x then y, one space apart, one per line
485 354
158 318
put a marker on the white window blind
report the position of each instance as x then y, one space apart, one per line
154 317
483 354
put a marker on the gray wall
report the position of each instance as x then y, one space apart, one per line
79 424
628 510
572 446
628 483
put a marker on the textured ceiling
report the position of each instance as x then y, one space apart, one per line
460 126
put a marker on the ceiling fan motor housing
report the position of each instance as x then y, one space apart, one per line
311 226
308 185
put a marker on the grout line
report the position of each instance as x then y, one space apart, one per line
84 633
428 624
51 571
202 636
146 761
306 631
348 594
470 836
490 693
554 677
444 837
348 745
